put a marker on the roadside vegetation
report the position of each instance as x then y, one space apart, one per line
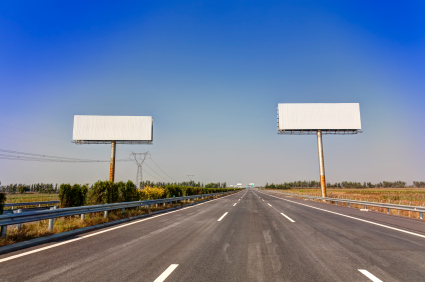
39 229
101 192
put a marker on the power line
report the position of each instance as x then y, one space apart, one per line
33 132
151 175
69 147
156 172
23 156
162 170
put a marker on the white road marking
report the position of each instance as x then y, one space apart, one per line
100 232
235 204
369 275
287 217
262 199
239 199
352 217
166 273
222 216
269 204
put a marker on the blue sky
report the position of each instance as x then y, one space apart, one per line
211 75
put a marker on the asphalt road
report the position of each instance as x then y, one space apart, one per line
263 237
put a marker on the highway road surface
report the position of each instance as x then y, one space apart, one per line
247 236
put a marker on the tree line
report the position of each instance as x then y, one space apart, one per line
344 184
184 183
106 192
23 188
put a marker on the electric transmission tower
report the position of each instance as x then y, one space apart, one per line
139 159
191 177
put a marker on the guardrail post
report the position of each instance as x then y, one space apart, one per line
421 216
105 215
123 210
349 205
388 210
51 220
156 205
83 216
18 225
3 231
365 207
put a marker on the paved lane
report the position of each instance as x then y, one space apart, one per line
347 243
138 252
248 236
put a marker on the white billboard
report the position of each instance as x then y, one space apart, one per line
112 128
319 116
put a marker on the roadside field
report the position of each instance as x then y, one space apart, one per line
400 196
31 197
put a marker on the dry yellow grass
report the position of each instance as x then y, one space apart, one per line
400 196
31 197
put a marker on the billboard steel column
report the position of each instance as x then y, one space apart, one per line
321 163
112 166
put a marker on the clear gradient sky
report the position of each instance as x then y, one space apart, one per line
211 74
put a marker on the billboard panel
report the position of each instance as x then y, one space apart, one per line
112 128
319 116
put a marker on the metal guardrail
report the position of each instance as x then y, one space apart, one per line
30 204
366 204
30 216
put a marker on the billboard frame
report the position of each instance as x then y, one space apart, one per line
318 133
308 131
114 145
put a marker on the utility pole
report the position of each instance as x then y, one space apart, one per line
139 159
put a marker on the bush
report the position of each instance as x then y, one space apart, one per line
23 189
2 201
127 192
72 196
151 193
107 192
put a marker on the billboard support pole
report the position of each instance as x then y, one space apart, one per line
321 163
112 166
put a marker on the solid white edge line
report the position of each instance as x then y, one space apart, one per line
100 232
287 217
352 217
235 204
369 275
222 216
166 273
269 204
